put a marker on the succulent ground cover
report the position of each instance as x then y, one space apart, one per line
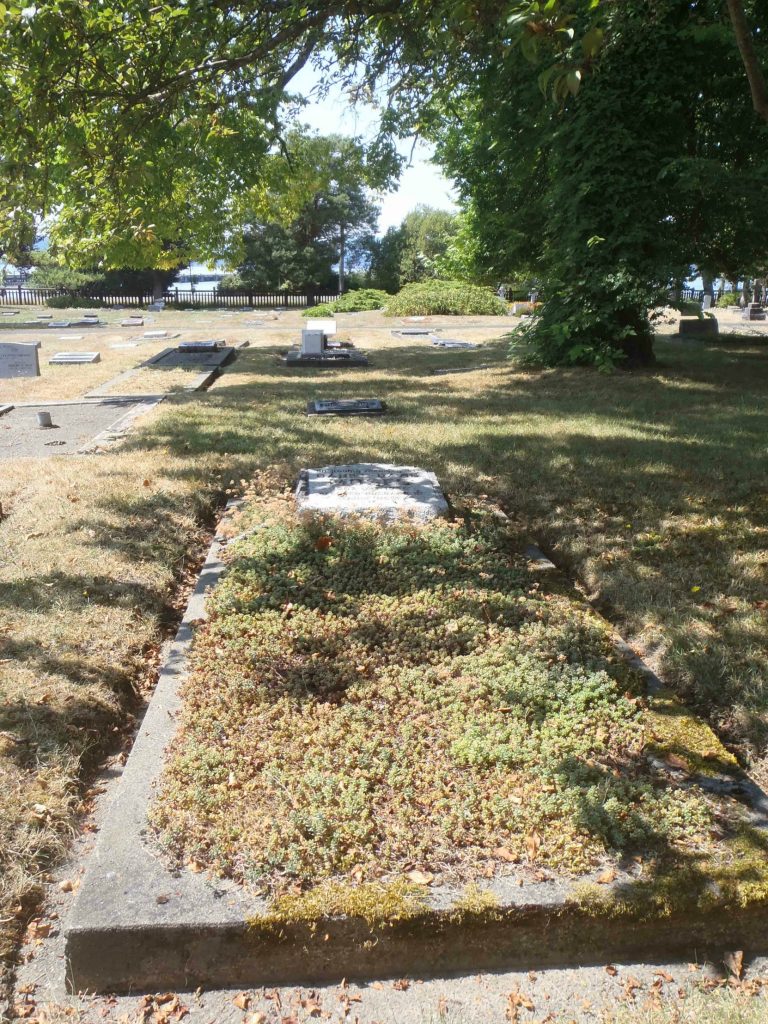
375 701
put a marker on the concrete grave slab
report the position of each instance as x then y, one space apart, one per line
45 316
328 359
66 358
378 490
208 365
414 332
132 321
149 335
19 360
75 425
695 327
4 409
137 926
9 312
60 324
347 407
71 337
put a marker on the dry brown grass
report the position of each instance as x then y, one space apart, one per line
647 486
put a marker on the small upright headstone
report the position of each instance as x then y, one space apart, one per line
19 360
377 490
312 343
156 307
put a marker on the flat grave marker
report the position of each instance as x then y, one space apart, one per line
67 358
19 360
347 407
45 316
132 321
200 346
60 324
377 490
149 335
452 343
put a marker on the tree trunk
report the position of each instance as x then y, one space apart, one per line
639 352
158 284
755 77
342 254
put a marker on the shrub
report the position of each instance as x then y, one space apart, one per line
452 298
351 302
75 302
728 299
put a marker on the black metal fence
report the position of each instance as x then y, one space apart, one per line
21 296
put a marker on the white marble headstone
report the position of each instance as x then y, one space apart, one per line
372 489
320 324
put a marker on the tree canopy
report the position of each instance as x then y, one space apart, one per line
143 127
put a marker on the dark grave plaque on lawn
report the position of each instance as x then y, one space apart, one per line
75 358
414 331
452 343
19 360
347 407
45 316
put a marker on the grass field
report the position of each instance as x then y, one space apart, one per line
650 488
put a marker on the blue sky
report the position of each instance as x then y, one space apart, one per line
421 182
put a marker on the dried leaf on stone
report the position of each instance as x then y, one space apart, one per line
242 1000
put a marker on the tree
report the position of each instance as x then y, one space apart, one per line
313 207
412 251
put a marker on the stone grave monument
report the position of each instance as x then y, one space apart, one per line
74 358
347 407
19 359
753 311
316 350
698 327
371 489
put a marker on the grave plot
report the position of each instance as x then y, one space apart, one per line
189 367
404 749
75 426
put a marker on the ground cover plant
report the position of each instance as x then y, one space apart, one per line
452 298
371 699
351 302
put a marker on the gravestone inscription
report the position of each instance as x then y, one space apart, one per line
347 407
376 490
19 360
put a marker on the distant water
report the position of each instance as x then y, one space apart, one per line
200 286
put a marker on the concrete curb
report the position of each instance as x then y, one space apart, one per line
116 431
136 926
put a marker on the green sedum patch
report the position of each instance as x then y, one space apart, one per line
367 699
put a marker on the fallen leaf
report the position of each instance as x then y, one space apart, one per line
734 962
242 1000
402 985
420 877
533 845
147 483
503 853
256 1018
610 969
609 875
66 885
377 985
664 975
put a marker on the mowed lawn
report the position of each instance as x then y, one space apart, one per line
649 488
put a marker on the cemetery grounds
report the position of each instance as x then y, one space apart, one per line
648 490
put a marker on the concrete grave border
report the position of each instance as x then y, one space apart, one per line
136 926
197 383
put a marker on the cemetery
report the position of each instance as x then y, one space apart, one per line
383 513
